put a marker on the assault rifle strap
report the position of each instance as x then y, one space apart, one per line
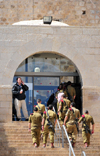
47 113
39 107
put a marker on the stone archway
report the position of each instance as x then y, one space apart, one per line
32 48
52 67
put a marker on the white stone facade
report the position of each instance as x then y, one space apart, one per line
80 44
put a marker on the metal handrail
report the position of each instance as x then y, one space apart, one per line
58 127
70 145
57 120
58 124
83 153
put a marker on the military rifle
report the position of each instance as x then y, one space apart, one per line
77 126
76 122
87 129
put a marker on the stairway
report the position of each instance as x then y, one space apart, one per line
15 140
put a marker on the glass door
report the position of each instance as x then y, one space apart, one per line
44 87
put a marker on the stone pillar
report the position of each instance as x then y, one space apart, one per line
5 103
91 101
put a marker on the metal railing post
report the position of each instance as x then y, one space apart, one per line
70 145
62 138
69 151
83 153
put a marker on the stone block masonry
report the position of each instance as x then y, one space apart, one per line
73 13
5 103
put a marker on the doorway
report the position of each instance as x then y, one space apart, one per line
43 73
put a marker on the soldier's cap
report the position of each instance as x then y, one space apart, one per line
35 109
86 112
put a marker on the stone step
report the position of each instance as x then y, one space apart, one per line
16 138
29 135
25 124
51 152
30 141
79 154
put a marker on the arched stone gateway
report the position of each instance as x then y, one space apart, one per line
43 72
77 44
42 45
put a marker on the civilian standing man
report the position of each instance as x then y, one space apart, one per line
35 126
18 91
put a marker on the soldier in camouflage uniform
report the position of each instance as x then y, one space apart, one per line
63 107
75 110
41 107
35 126
71 91
86 119
71 126
51 115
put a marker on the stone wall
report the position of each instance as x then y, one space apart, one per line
72 12
5 104
80 44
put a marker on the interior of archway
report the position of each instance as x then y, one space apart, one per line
43 72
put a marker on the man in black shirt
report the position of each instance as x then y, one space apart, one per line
18 91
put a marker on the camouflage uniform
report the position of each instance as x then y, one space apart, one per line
71 127
77 112
57 104
52 118
41 108
35 120
65 104
71 91
86 136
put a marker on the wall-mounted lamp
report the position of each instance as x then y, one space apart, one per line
47 19
37 69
